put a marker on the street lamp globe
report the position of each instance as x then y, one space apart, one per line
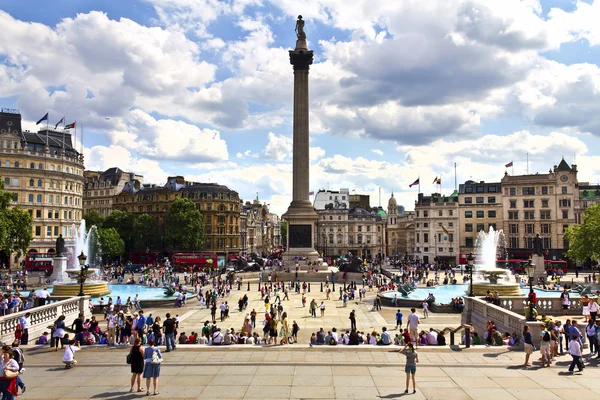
530 268
82 259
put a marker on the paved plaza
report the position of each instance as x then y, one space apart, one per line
299 372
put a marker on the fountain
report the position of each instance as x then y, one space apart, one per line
488 246
67 280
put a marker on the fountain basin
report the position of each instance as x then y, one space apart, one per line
94 289
503 289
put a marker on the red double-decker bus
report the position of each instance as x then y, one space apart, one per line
194 261
39 261
518 266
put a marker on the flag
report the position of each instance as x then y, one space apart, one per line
70 126
414 183
311 193
510 164
44 118
439 181
445 231
435 179
59 122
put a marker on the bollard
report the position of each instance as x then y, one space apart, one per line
248 287
308 287
334 286
451 338
344 286
321 286
467 338
259 286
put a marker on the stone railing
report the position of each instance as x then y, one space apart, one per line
43 317
544 305
477 312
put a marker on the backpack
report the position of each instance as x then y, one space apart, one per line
546 337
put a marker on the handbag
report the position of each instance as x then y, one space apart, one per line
128 359
155 358
8 374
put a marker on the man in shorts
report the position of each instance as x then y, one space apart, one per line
413 326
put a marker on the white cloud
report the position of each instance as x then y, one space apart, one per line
101 158
377 151
278 148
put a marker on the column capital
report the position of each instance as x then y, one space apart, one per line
301 60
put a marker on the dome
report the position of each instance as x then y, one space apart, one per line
392 202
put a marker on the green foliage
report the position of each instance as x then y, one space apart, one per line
93 218
584 240
184 229
15 225
110 242
145 231
123 223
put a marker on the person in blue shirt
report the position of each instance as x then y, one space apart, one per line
398 319
141 324
528 340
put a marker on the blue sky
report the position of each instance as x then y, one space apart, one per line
399 90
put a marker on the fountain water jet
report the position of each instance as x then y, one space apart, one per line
488 245
86 242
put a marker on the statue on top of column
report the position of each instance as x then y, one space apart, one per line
60 246
300 29
538 245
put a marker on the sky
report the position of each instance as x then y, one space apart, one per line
398 89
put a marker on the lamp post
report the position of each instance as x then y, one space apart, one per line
530 268
83 269
471 262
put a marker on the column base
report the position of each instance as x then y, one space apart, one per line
301 218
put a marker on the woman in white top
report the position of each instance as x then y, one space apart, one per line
593 309
8 387
585 302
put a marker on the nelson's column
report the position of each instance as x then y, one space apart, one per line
301 216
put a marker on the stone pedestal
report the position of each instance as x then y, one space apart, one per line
301 216
540 270
58 270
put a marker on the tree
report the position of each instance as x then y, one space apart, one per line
184 229
93 218
283 230
145 232
123 223
584 240
110 243
15 225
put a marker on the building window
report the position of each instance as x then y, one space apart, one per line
547 242
480 189
564 203
513 215
480 227
40 166
30 198
31 183
514 242
468 227
440 213
528 242
425 224
450 213
451 237
528 204
546 229
544 189
545 214
565 214
38 231
468 214
513 229
491 199
38 213
529 228
469 189
468 200
544 203
512 191
16 164
529 215
426 238
513 204
563 189
469 242
529 190
48 231
426 214
493 226
479 200
480 213
492 214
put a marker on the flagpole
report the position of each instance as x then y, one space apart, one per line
513 169
47 144
455 176
527 163
81 137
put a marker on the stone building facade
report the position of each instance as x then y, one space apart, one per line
101 187
218 204
540 203
45 174
436 228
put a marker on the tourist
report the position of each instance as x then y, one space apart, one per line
590 330
432 337
273 330
136 360
576 354
295 330
399 319
385 339
322 308
20 359
321 337
153 359
313 308
217 337
168 328
10 369
593 309
24 327
528 347
545 349
564 299
412 358
59 332
285 329
425 308
69 355
413 325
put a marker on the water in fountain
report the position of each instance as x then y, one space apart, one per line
488 246
87 242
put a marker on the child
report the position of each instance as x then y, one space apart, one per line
406 336
412 358
69 356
